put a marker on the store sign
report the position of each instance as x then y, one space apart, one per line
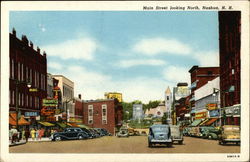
50 102
28 114
232 111
214 113
33 90
200 115
211 106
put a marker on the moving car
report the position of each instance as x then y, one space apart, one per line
69 133
229 133
123 132
176 133
160 134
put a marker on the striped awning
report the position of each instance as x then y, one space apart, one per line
62 125
211 121
21 121
196 122
203 122
47 124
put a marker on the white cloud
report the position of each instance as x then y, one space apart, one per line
83 48
154 46
208 59
55 65
177 74
138 62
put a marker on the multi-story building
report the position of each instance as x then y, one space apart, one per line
199 77
105 113
138 113
27 66
168 104
67 92
229 44
78 109
50 86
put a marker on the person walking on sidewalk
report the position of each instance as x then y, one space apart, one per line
41 133
27 134
33 133
23 134
14 134
37 134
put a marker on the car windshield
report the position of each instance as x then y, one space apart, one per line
160 129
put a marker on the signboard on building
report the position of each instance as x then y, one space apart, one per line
200 115
29 114
232 111
214 113
211 106
50 102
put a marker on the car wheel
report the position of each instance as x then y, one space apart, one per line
169 144
180 142
58 138
149 144
80 137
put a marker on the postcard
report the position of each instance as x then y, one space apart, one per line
125 81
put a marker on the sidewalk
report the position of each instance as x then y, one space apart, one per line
44 139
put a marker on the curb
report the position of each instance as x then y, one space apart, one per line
16 144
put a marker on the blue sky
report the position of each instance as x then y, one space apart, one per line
136 53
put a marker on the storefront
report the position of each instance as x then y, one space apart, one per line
232 115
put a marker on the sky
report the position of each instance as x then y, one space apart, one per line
136 53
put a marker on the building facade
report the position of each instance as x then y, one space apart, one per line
105 113
67 93
78 109
27 66
138 113
168 104
229 44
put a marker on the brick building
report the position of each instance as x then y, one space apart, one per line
229 44
105 113
27 65
78 110
199 77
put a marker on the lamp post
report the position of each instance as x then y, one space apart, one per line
66 102
17 83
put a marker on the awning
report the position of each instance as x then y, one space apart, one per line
203 122
47 124
211 121
73 124
62 125
83 126
196 122
21 121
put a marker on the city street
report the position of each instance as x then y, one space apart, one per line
132 144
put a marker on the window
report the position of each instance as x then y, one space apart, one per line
31 76
12 68
27 74
10 97
167 97
209 72
13 97
104 114
19 99
35 78
22 72
18 71
90 114
27 100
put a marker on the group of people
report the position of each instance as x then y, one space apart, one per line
25 134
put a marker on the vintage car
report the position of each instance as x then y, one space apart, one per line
160 134
194 132
176 133
69 133
123 132
104 132
229 134
209 132
186 131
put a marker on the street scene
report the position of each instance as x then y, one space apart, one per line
124 82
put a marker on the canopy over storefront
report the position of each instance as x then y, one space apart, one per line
21 121
196 122
47 124
211 121
62 125
203 122
83 126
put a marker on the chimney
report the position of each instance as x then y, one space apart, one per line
44 54
31 44
80 96
38 49
14 32
25 39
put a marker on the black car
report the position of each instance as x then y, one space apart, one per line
69 133
103 132
94 132
90 134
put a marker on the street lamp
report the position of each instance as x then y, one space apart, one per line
66 102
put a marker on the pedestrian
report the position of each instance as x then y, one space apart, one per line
33 133
27 134
41 133
37 134
14 134
23 134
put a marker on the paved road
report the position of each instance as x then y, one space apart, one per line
136 144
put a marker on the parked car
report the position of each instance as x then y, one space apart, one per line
69 133
94 133
90 134
194 132
209 132
186 131
229 133
104 132
160 134
176 133
123 132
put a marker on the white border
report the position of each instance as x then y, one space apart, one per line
243 6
